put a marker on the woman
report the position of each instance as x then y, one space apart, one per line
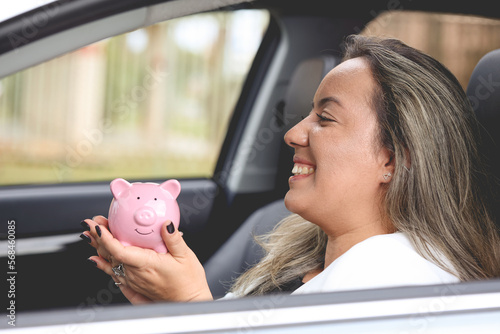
387 190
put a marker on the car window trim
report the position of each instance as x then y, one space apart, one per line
282 310
52 18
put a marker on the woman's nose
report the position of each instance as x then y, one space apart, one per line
298 135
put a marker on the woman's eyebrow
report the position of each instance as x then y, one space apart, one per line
326 100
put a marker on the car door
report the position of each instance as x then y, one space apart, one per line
81 107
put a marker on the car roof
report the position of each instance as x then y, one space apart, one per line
85 11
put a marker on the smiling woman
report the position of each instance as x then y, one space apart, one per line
394 198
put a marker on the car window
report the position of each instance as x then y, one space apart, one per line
152 103
452 39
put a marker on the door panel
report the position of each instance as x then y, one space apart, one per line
58 209
109 106
50 256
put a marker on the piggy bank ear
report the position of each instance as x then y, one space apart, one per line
118 186
172 186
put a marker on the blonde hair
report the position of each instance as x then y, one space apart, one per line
437 193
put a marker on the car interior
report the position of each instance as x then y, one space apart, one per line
251 171
244 196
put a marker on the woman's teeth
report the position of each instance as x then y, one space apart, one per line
302 170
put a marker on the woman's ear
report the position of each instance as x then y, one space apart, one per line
388 168
390 165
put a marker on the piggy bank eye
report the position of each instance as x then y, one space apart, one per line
138 198
155 198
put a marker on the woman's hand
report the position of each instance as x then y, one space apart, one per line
150 276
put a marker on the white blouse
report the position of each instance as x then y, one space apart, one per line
386 260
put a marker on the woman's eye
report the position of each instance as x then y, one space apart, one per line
324 119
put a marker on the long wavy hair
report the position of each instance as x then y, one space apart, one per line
438 193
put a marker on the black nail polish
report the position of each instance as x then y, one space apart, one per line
98 230
85 225
92 262
171 228
86 238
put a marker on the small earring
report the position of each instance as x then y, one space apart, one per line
387 176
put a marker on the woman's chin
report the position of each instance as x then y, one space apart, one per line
293 203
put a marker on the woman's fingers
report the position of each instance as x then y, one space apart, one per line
105 239
93 228
85 225
88 224
112 249
101 264
101 220
107 267
172 238
112 253
101 239
177 275
121 281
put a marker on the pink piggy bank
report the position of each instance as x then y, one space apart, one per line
138 211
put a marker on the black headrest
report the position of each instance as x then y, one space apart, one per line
483 92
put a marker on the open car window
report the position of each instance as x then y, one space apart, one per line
152 103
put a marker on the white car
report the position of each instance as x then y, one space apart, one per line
201 91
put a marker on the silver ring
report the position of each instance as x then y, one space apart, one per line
117 283
119 270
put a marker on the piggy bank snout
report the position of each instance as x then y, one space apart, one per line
145 216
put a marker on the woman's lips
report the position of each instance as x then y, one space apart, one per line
300 169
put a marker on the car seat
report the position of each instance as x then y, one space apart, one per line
240 251
483 92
